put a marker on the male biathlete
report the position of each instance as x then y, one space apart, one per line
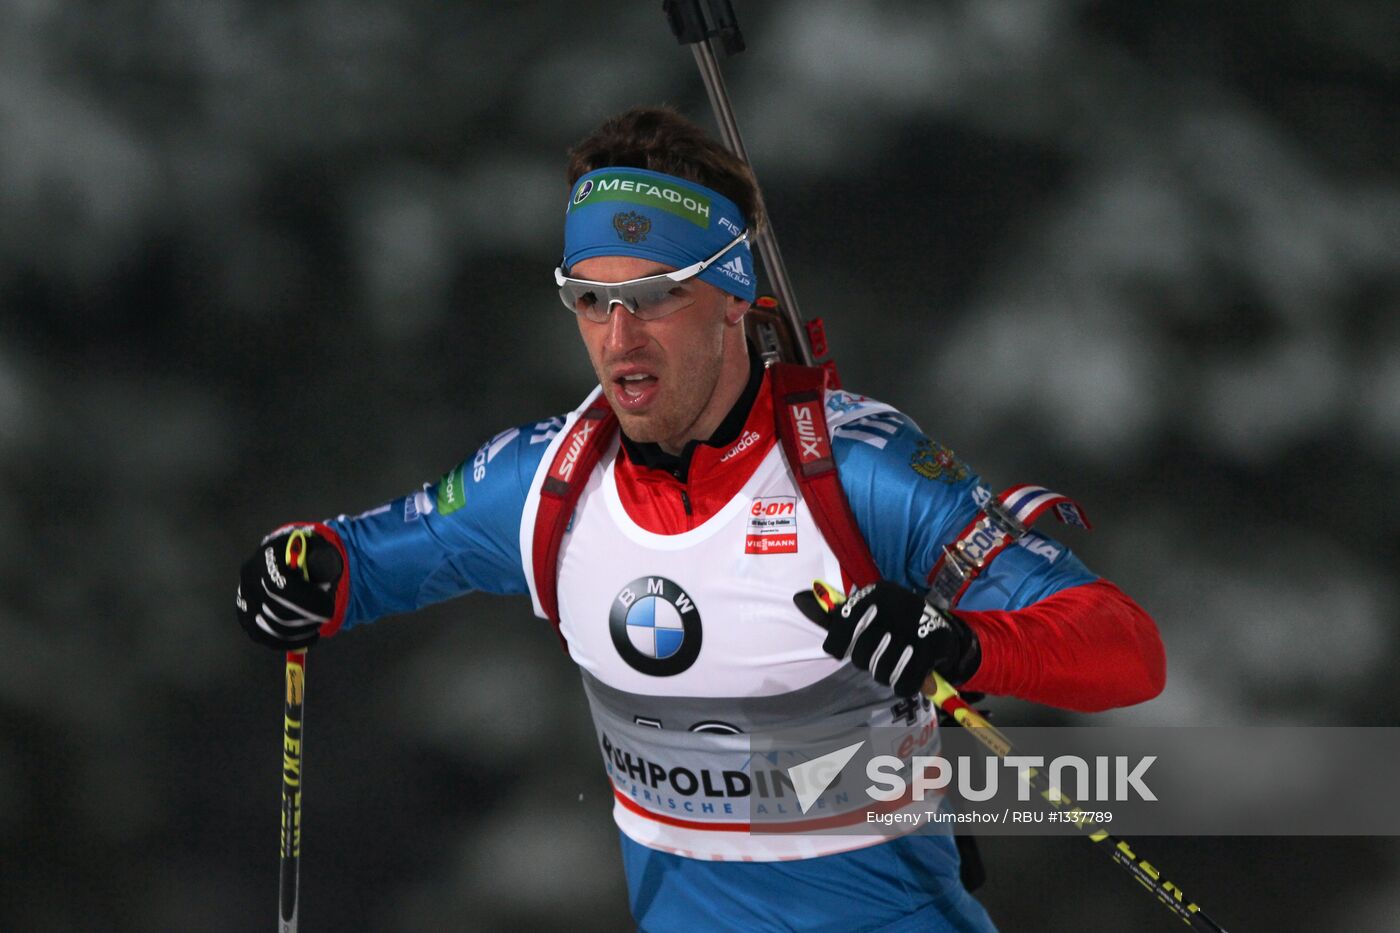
676 566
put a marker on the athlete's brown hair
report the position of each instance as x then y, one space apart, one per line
662 140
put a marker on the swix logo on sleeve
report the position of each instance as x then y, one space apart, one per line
811 444
772 526
564 468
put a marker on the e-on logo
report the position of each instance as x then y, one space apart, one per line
655 626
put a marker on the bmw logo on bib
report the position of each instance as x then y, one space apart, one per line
655 626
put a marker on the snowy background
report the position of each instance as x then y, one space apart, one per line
263 261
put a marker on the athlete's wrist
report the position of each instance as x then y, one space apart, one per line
967 659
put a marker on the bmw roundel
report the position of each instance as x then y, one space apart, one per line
655 626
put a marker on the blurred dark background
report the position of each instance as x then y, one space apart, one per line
263 261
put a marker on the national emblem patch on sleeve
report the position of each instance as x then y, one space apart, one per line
932 460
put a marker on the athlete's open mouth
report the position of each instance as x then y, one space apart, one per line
634 389
634 385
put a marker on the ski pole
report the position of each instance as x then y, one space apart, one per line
689 26
297 554
945 696
322 568
290 862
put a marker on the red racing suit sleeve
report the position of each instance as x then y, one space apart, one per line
1087 648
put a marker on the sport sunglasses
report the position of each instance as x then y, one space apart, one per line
647 298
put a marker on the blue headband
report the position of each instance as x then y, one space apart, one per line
635 212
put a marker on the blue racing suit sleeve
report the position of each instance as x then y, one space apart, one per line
452 537
911 497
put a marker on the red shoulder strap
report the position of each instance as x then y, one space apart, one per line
573 462
800 407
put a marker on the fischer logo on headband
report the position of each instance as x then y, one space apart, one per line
651 215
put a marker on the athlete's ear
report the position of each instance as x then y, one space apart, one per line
735 308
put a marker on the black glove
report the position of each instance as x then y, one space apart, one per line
287 588
894 634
